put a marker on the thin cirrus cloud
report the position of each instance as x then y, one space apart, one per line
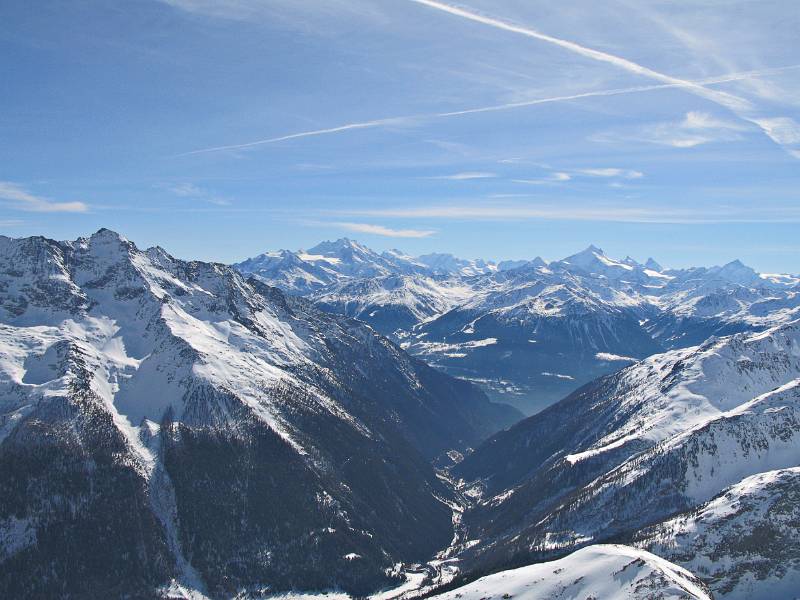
611 172
783 129
191 191
185 190
311 15
466 176
565 176
381 230
557 177
779 129
21 199
782 133
599 213
695 129
410 119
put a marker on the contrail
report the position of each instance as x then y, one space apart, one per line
302 134
681 83
738 106
498 107
723 98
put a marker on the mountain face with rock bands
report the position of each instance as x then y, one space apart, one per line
530 332
172 428
690 454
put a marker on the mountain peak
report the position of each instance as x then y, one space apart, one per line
594 260
341 245
737 272
629 260
653 265
107 242
590 253
735 264
105 234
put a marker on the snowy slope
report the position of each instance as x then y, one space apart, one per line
393 304
744 542
610 572
650 401
447 264
658 438
684 471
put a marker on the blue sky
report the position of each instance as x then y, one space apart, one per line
500 129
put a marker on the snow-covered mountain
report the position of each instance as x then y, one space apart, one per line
327 263
601 571
447 264
393 303
533 335
744 542
531 332
628 452
169 425
556 327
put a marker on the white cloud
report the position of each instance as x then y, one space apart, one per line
22 199
466 175
702 120
385 231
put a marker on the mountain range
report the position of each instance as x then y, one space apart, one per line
529 332
184 429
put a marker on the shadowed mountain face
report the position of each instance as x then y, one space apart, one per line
531 332
169 425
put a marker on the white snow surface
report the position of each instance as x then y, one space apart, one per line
671 393
607 572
